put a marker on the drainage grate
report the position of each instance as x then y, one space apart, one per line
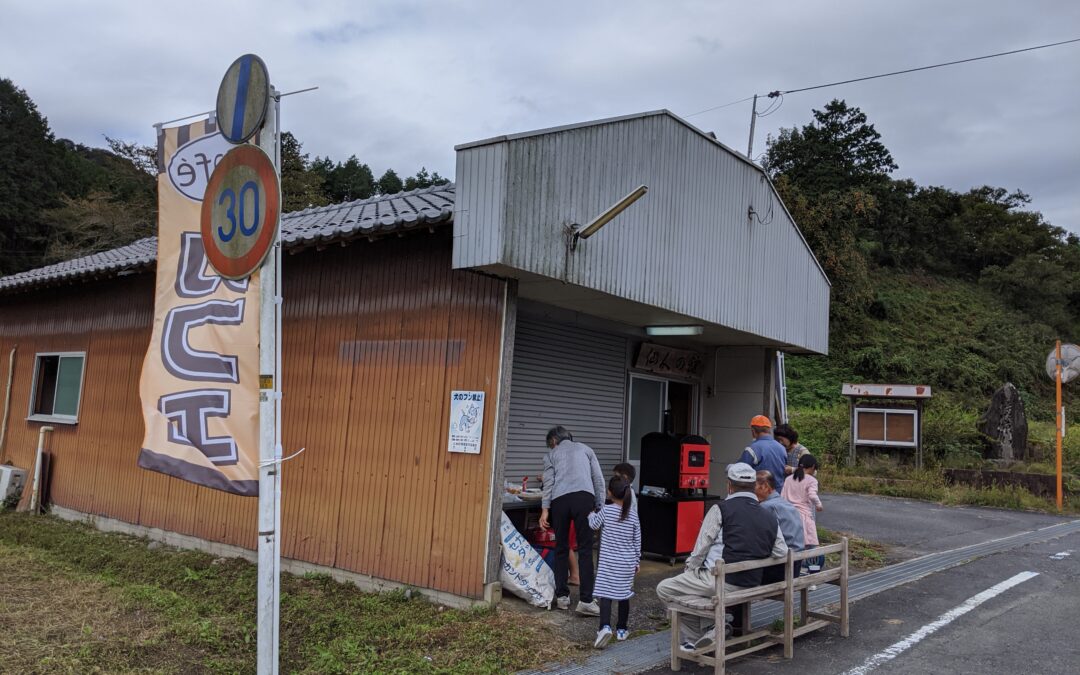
650 651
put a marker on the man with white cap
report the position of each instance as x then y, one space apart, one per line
734 530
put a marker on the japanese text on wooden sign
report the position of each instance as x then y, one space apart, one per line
669 361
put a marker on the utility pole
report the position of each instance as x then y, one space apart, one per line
753 119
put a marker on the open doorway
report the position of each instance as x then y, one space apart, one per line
657 404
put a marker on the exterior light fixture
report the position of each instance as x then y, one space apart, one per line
674 330
594 226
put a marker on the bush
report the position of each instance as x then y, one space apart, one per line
824 431
950 434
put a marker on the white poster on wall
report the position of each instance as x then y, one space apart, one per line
466 421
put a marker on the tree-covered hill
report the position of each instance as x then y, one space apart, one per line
959 290
60 200
951 334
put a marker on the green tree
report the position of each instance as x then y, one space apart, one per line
831 224
422 180
301 185
30 178
839 150
347 181
389 183
97 222
1041 287
142 157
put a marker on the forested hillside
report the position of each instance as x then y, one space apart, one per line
959 290
962 290
61 200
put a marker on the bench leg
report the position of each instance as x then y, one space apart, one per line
676 663
844 590
789 621
804 601
720 627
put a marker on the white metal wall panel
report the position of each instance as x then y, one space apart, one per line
482 175
688 246
737 377
566 375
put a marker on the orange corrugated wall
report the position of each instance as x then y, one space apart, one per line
376 336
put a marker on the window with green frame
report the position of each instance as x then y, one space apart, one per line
57 386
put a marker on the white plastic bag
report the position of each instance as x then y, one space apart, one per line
524 573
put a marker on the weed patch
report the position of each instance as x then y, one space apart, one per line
77 600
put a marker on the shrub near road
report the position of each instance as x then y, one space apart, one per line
78 600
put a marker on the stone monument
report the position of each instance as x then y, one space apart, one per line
1006 425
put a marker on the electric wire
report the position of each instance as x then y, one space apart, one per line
780 93
914 70
773 108
726 105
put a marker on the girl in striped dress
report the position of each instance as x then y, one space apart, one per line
620 553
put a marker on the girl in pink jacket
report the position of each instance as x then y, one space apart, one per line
802 491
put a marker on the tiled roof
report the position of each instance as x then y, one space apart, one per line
400 212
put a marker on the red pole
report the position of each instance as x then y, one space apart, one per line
1059 422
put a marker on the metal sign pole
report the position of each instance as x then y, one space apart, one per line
269 448
1059 419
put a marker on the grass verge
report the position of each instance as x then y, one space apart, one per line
863 555
930 486
79 600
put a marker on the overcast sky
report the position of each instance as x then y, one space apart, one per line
402 82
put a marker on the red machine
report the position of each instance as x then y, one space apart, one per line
678 468
693 466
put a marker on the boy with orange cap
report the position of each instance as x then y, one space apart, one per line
765 452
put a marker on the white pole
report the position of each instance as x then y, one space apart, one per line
277 386
269 469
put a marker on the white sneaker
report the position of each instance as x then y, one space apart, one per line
687 647
621 634
587 608
603 636
707 640
813 587
564 603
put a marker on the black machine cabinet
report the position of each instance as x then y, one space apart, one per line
678 465
668 461
670 525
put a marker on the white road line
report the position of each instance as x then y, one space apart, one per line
948 617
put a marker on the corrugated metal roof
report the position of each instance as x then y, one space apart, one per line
376 216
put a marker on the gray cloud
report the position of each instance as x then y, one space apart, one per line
402 82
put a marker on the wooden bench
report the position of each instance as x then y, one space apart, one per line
715 608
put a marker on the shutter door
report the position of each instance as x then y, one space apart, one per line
565 375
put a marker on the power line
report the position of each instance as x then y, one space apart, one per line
774 94
726 105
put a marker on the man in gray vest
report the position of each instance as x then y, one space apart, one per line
573 488
734 530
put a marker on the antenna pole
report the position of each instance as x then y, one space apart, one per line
1060 419
753 119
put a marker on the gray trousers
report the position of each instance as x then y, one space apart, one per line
698 582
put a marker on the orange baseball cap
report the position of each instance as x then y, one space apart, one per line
761 421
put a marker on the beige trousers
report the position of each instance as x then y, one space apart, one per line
698 582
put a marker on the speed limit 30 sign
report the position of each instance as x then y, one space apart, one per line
240 211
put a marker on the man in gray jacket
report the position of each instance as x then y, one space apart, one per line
573 488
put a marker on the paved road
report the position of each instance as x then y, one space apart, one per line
915 528
1030 627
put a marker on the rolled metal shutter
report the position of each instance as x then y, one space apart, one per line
564 374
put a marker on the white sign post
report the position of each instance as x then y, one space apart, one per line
466 421
246 105
269 576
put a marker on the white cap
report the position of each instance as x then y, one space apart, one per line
741 472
